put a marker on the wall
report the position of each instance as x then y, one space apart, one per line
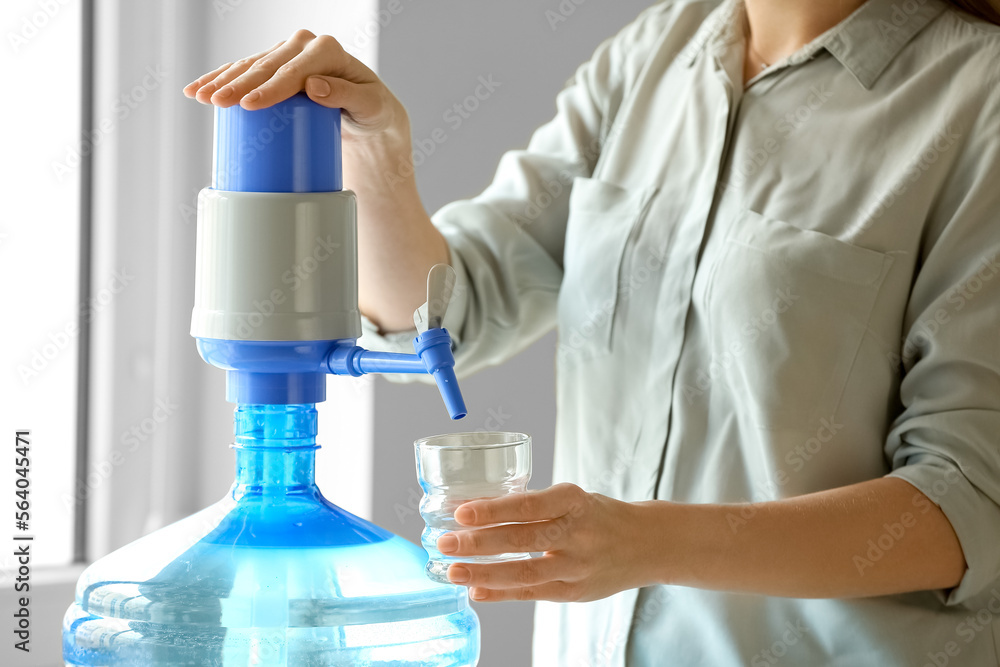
432 54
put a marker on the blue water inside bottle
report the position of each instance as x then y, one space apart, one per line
273 574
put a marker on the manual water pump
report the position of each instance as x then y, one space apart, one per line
274 574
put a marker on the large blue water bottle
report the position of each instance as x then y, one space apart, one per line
274 574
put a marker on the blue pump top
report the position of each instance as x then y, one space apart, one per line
293 146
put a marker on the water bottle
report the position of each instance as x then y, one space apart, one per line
273 574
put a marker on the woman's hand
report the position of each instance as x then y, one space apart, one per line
320 66
594 546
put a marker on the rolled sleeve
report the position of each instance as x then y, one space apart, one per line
945 442
973 514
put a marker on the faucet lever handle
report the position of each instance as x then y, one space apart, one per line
440 285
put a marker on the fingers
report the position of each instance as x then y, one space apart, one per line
239 86
271 76
512 574
550 503
192 88
206 86
508 538
322 56
554 591
222 91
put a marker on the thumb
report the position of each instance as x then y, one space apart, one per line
368 107
340 93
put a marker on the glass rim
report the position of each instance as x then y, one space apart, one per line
428 441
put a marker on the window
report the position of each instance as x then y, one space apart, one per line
40 252
116 150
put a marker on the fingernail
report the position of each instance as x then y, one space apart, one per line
317 87
478 594
465 515
458 574
250 97
447 543
224 92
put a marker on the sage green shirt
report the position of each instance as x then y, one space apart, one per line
761 293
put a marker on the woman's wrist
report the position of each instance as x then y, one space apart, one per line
658 541
376 147
380 163
679 543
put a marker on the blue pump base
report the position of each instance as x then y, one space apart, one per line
294 372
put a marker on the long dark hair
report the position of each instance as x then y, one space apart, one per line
984 9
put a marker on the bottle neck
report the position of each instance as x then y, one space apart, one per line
275 449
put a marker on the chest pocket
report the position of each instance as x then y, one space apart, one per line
600 231
787 311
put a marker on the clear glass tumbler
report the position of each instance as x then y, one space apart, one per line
458 467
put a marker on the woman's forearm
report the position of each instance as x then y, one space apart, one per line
874 538
397 243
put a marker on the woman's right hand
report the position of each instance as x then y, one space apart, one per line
320 66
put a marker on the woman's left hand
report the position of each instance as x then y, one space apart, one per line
594 546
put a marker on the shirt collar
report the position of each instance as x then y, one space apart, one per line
865 42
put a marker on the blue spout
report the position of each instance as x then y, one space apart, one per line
290 372
434 348
433 356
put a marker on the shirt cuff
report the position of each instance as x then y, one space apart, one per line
454 318
968 510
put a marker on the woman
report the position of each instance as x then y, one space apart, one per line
766 231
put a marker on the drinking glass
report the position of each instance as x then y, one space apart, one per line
458 467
